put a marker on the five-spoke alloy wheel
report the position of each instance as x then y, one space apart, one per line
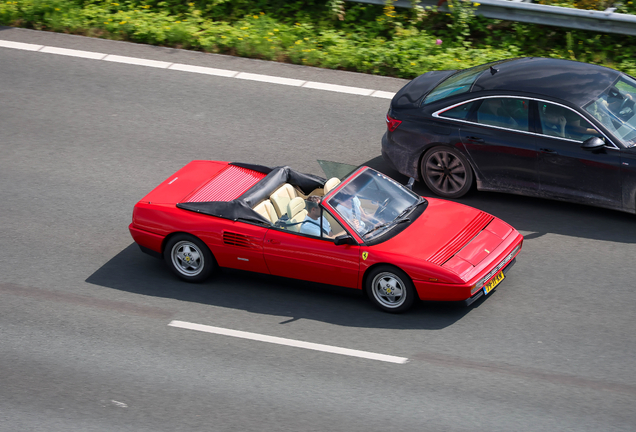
390 289
189 258
446 172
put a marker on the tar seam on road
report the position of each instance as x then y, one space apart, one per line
289 342
83 300
198 69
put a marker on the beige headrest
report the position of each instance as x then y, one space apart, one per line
295 206
331 184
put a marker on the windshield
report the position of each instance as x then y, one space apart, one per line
614 109
456 84
373 203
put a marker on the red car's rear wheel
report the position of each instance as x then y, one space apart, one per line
189 258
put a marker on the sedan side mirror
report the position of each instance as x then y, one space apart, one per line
344 239
594 143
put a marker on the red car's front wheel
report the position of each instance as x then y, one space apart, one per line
390 289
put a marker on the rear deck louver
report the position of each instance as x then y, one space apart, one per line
229 183
235 239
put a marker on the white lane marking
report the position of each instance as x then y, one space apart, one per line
203 70
73 53
382 94
137 61
20 45
270 79
198 69
288 342
118 404
338 88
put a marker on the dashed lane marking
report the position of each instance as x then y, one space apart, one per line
137 61
203 70
20 46
289 342
198 69
73 53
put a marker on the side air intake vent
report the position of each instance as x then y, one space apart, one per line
235 239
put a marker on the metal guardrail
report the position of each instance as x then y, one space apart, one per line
604 22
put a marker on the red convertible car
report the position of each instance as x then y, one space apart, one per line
367 232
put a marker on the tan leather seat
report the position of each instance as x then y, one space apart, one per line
331 184
266 209
281 197
296 212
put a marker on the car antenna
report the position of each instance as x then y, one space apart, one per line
493 70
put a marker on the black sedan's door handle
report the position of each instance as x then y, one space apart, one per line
547 150
475 139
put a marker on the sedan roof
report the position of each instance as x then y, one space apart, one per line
567 80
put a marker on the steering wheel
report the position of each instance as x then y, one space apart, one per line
381 208
623 105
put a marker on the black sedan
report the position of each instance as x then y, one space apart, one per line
533 126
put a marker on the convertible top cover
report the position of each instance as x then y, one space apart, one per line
241 207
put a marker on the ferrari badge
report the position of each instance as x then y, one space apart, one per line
365 255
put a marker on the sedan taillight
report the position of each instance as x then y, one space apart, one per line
392 123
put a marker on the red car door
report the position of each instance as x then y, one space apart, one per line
314 259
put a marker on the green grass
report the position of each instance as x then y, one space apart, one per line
328 33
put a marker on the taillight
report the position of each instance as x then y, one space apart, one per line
392 123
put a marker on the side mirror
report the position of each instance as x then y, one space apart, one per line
594 143
344 239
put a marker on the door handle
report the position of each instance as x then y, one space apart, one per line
547 150
475 139
272 241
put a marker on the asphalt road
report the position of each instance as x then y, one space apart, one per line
84 338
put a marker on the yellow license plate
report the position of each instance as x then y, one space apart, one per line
493 282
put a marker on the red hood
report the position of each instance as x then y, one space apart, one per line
451 235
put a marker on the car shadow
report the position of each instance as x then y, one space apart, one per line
135 272
536 217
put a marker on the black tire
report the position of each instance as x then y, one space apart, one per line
390 289
189 258
446 172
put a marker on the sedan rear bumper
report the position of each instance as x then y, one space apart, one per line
404 160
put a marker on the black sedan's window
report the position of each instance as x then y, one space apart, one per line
509 113
616 110
459 112
459 83
561 122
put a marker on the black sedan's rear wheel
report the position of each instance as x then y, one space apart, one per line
446 172
189 258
